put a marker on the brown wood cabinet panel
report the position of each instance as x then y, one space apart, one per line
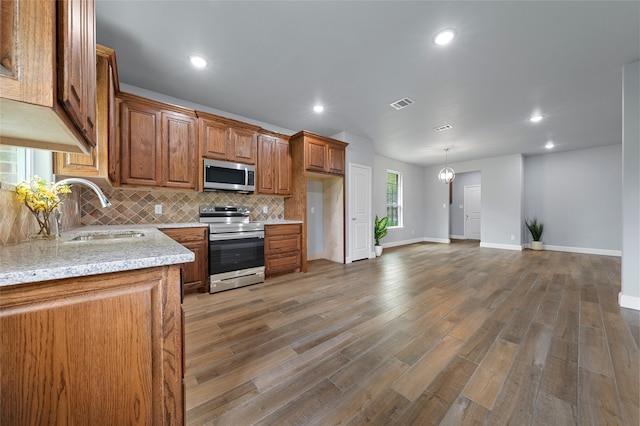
140 144
335 163
47 74
179 151
266 167
243 143
225 139
283 167
76 49
316 153
195 275
213 136
282 248
104 347
97 165
274 165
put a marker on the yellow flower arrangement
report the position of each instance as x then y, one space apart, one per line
42 198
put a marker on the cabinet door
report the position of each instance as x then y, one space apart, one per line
194 274
283 167
179 151
266 155
104 347
214 136
315 158
76 52
243 145
140 144
335 161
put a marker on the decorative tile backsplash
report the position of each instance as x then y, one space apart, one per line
17 222
130 206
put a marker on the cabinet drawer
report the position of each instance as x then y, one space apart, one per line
282 244
283 263
288 229
183 235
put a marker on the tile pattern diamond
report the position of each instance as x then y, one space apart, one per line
137 206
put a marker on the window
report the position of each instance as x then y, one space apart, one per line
18 164
394 199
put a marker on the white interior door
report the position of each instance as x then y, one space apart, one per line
472 202
359 220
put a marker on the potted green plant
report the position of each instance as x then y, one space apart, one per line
379 232
536 229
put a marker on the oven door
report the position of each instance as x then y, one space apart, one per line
234 252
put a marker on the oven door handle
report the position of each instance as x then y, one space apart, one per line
236 236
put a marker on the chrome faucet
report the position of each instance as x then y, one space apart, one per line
104 202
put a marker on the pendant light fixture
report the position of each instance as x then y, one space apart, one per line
446 175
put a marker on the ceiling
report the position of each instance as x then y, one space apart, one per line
272 61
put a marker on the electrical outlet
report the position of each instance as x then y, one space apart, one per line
265 209
313 210
158 209
513 238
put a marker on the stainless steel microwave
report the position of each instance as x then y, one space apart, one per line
229 176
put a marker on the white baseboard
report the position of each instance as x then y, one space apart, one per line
457 237
583 250
403 243
436 240
626 301
516 247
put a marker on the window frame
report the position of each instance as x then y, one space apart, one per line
399 203
30 162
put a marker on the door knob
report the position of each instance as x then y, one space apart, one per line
353 218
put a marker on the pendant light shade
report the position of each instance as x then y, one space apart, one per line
446 175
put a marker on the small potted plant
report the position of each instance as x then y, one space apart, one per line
379 232
535 228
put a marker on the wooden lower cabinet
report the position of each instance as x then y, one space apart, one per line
282 248
195 275
101 349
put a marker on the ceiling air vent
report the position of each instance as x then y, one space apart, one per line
402 103
443 128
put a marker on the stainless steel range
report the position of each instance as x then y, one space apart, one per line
236 247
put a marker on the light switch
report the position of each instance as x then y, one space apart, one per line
461 206
265 209
158 209
313 210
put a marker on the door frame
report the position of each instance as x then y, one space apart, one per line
351 228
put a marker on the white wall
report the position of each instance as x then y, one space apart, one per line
456 212
630 294
501 201
577 196
413 199
314 218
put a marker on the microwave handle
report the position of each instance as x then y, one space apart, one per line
246 176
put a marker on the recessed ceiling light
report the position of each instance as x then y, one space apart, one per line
197 61
318 108
536 118
444 37
549 145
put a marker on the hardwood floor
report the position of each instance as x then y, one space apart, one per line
426 334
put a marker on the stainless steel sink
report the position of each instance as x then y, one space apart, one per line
108 236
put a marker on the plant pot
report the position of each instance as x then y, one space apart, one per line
378 250
536 245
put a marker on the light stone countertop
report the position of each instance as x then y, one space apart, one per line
41 260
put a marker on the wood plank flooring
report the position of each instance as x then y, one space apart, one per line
427 334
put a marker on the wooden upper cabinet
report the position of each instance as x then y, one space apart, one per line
226 139
48 74
98 165
321 154
158 145
179 150
77 50
274 165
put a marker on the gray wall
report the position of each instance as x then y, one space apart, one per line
314 220
576 194
630 295
456 212
413 198
501 201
